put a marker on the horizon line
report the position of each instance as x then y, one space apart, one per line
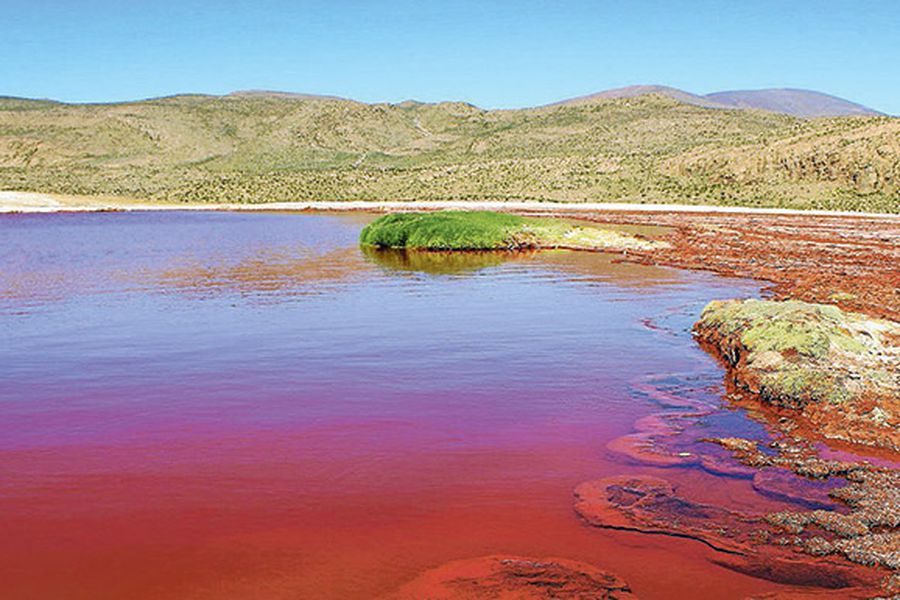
327 96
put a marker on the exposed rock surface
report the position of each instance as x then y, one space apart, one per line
747 543
651 505
867 534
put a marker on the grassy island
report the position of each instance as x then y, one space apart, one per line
481 230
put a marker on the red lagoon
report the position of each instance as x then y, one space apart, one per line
222 405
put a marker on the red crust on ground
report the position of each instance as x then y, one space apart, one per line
853 262
514 577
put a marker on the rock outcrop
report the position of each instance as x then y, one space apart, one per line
839 370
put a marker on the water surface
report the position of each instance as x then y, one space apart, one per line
227 405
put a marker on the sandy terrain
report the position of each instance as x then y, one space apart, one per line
11 201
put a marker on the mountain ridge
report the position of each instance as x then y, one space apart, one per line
634 91
790 101
647 147
793 101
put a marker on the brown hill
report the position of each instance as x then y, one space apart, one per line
265 147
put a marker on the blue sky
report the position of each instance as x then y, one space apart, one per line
493 54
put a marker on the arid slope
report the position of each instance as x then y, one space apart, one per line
261 147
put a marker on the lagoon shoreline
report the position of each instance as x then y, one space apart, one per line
842 258
37 202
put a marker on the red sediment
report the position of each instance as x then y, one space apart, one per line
818 594
652 505
852 421
655 437
853 262
515 577
723 466
784 485
642 448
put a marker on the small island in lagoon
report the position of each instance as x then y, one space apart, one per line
485 231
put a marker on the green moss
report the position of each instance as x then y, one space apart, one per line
786 336
799 327
801 352
798 386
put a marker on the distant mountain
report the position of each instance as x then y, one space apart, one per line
277 94
16 103
797 103
634 91
800 103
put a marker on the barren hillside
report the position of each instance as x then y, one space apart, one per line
259 147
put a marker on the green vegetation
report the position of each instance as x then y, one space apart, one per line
262 148
480 230
795 352
448 230
792 326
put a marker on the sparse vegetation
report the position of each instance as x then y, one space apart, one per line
838 372
262 148
795 352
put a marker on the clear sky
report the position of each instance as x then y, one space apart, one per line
493 54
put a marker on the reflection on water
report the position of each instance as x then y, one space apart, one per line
56 258
262 254
436 263
569 265
206 405
266 272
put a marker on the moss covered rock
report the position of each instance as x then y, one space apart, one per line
840 368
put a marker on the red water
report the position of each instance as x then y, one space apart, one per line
246 406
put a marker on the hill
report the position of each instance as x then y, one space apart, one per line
800 103
261 147
634 91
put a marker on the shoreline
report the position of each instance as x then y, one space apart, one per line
37 202
842 258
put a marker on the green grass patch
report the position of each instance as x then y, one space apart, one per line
483 230
449 230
